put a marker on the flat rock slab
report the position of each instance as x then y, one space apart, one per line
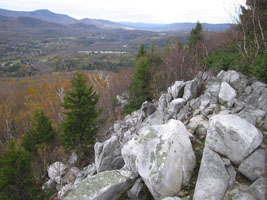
233 137
213 179
109 185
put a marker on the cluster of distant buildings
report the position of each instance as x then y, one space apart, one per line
102 52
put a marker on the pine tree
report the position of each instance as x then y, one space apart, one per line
81 121
139 89
195 35
16 182
41 132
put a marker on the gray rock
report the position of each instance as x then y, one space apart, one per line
190 90
233 137
236 80
163 156
177 90
212 181
175 105
108 155
184 113
243 196
162 104
248 90
231 171
201 131
262 101
171 198
147 109
258 188
64 191
196 121
56 171
265 123
195 103
108 185
226 93
254 165
139 191
212 92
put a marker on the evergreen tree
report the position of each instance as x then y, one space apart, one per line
195 35
81 121
139 89
41 132
16 182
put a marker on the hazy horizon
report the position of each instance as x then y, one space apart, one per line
169 11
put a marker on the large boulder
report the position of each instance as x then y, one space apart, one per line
108 155
226 93
213 179
233 137
163 156
254 165
108 185
56 171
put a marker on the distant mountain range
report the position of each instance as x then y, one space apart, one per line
47 21
180 27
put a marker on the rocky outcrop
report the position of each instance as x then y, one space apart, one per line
163 156
105 185
203 139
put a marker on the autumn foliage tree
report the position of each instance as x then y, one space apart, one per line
81 123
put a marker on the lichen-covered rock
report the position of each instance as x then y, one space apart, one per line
233 137
254 165
108 155
213 178
108 185
226 93
56 171
163 156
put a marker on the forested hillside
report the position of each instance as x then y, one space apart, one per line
60 94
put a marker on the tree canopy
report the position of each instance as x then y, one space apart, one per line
81 121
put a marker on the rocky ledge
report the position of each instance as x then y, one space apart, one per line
203 139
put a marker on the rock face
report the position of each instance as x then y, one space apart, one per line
162 156
212 179
108 155
105 185
233 137
219 122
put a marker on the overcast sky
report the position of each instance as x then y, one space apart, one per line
150 11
